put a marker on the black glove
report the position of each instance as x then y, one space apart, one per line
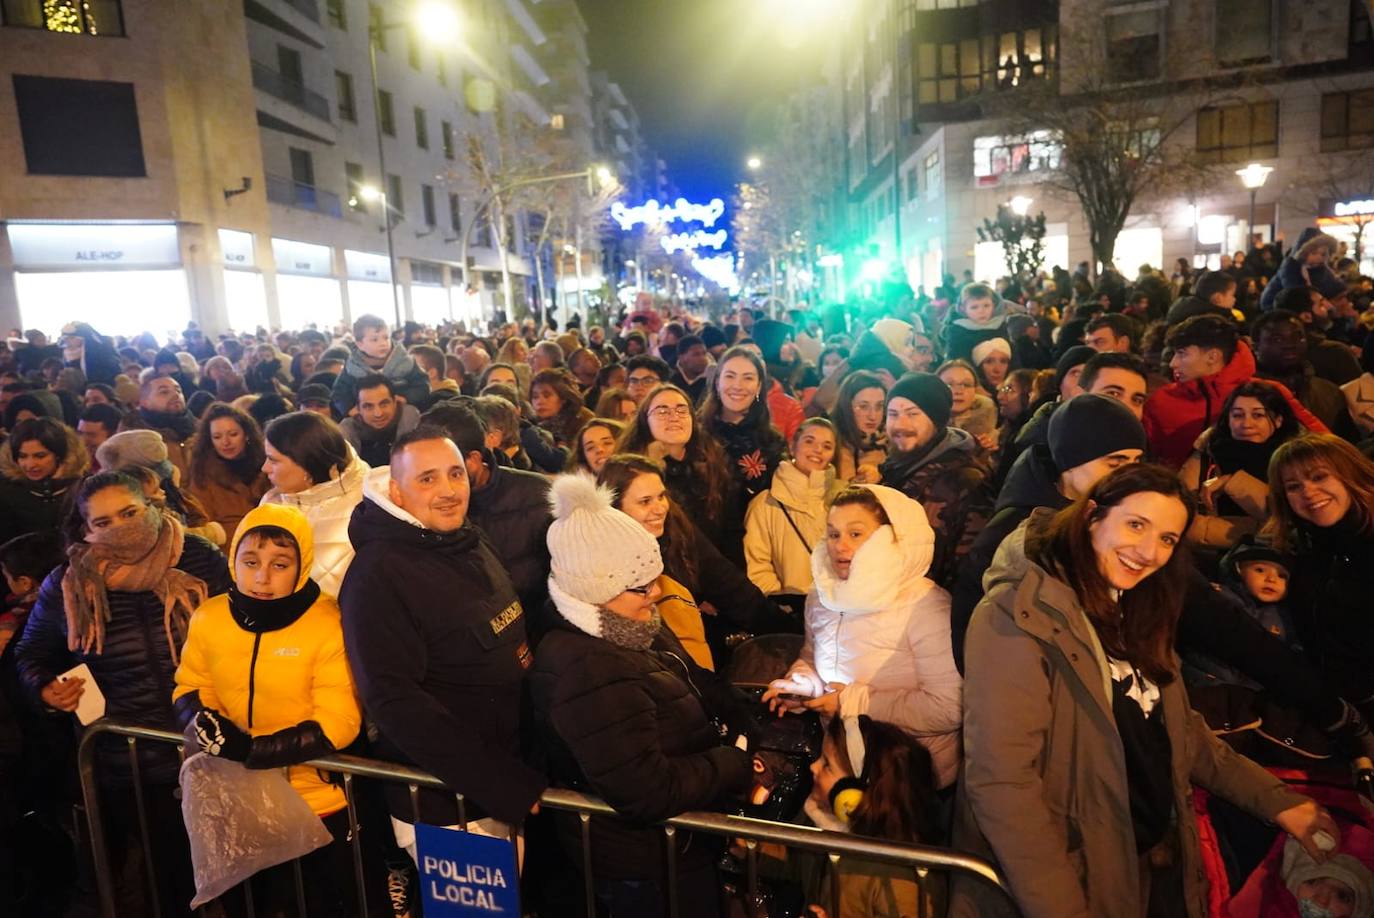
289 746
220 736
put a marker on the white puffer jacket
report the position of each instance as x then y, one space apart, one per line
328 506
884 633
777 559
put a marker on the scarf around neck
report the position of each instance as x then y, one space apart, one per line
183 424
136 557
260 616
600 622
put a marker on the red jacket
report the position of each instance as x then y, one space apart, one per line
786 412
1178 413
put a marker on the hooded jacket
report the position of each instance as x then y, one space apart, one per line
410 381
884 632
1293 272
328 507
374 446
1176 414
950 481
270 681
436 639
783 525
98 359
1043 790
35 506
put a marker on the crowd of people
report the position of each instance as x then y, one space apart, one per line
1069 574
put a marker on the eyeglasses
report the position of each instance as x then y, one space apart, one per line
640 590
642 380
663 412
960 385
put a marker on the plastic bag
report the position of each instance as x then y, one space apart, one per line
240 821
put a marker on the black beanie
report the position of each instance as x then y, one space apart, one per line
1089 427
770 335
929 393
1075 356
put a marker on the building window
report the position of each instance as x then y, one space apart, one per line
1133 47
446 135
427 203
413 48
385 114
337 13
394 198
998 155
455 212
1237 133
348 107
353 179
1244 32
75 17
1347 120
932 171
952 71
374 14
103 115
421 129
302 167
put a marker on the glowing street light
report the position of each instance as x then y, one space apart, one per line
370 193
605 177
1020 205
754 163
1253 177
438 21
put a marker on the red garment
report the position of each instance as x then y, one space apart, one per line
1178 413
786 412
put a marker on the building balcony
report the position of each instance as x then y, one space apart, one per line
298 18
286 105
282 190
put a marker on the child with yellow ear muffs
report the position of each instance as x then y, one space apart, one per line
873 779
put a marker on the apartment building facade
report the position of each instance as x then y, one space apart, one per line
1290 86
236 178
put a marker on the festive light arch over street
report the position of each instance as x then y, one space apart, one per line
653 213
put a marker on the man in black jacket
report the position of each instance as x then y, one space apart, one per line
510 506
436 638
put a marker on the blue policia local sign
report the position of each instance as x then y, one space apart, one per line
462 873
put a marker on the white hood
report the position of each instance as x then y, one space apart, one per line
891 565
377 488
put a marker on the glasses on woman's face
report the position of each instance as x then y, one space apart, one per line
641 590
959 385
1007 388
663 412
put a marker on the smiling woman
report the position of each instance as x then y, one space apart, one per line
1071 682
1322 493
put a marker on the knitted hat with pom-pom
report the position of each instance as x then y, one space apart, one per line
596 551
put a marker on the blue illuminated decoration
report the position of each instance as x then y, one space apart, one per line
652 213
679 242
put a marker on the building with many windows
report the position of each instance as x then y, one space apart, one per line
224 162
924 85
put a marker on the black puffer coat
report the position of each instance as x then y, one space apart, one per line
135 672
436 641
512 510
635 728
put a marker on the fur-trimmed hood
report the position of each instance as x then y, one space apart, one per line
77 463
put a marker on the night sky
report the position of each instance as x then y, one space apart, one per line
703 75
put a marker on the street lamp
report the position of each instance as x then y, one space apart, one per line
1020 205
1253 177
436 21
754 163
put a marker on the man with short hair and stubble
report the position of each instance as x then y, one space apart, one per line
379 420
642 373
162 407
1209 361
1121 377
98 423
436 641
1112 332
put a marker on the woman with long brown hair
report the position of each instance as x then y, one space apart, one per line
1080 748
695 572
226 465
858 417
1322 496
694 465
557 405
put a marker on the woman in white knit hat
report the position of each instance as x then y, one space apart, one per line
624 712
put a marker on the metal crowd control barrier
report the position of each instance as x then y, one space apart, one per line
919 859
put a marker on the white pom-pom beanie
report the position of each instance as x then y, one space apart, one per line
597 552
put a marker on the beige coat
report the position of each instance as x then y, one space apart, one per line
1249 493
1359 399
776 559
1043 790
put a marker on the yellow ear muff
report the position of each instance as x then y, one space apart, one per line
846 796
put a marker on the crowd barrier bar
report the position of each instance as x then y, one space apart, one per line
920 859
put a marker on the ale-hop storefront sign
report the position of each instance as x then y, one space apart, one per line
94 245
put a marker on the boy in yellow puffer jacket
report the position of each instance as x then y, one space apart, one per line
265 680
